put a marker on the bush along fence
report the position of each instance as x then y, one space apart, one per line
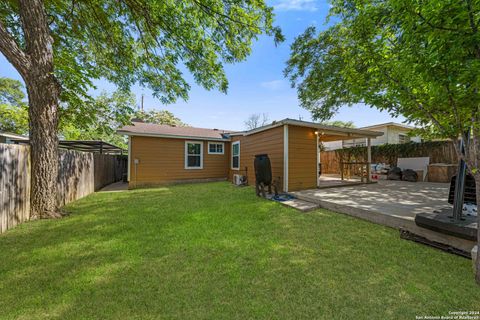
80 173
438 151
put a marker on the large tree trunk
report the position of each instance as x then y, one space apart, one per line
43 94
34 61
43 113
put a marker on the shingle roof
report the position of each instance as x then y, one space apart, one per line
142 128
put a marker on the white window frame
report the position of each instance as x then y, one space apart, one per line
231 160
215 143
186 155
404 137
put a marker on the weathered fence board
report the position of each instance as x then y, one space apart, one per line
80 173
75 176
108 169
14 185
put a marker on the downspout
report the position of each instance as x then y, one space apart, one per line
129 157
285 157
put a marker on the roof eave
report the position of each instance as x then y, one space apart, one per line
155 135
347 131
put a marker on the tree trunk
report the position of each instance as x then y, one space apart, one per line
43 114
43 95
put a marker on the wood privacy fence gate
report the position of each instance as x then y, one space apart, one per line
80 173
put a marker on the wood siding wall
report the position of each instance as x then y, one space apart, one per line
302 158
79 172
266 142
162 160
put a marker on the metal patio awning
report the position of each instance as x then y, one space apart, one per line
95 146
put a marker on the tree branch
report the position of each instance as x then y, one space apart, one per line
11 50
38 41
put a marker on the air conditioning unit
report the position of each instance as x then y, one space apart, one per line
239 179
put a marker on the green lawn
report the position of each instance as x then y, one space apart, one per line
214 251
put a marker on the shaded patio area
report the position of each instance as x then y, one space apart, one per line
390 203
334 180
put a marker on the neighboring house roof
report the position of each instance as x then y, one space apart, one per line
13 136
389 124
167 131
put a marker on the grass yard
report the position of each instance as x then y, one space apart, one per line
214 251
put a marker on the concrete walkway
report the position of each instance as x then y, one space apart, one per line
115 187
390 203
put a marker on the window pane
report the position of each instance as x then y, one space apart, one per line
220 148
193 148
235 162
193 161
211 148
235 149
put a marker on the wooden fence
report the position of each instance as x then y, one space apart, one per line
108 169
80 173
439 152
14 185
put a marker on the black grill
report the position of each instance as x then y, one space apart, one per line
263 169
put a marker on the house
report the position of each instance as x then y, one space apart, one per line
7 137
162 154
393 133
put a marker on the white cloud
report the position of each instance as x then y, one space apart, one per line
273 85
297 5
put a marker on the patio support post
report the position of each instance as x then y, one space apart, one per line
369 159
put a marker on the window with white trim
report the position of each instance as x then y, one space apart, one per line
403 138
193 155
236 155
215 148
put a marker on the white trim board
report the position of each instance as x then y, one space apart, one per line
129 157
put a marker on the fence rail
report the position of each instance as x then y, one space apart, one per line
80 173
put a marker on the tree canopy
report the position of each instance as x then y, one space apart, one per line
13 109
339 123
145 41
99 118
256 120
160 117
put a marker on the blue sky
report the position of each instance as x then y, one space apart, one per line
256 85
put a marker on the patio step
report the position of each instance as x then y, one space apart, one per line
301 205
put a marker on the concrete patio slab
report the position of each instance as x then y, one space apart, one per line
301 205
390 203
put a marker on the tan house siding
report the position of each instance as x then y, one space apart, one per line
162 160
302 158
266 142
